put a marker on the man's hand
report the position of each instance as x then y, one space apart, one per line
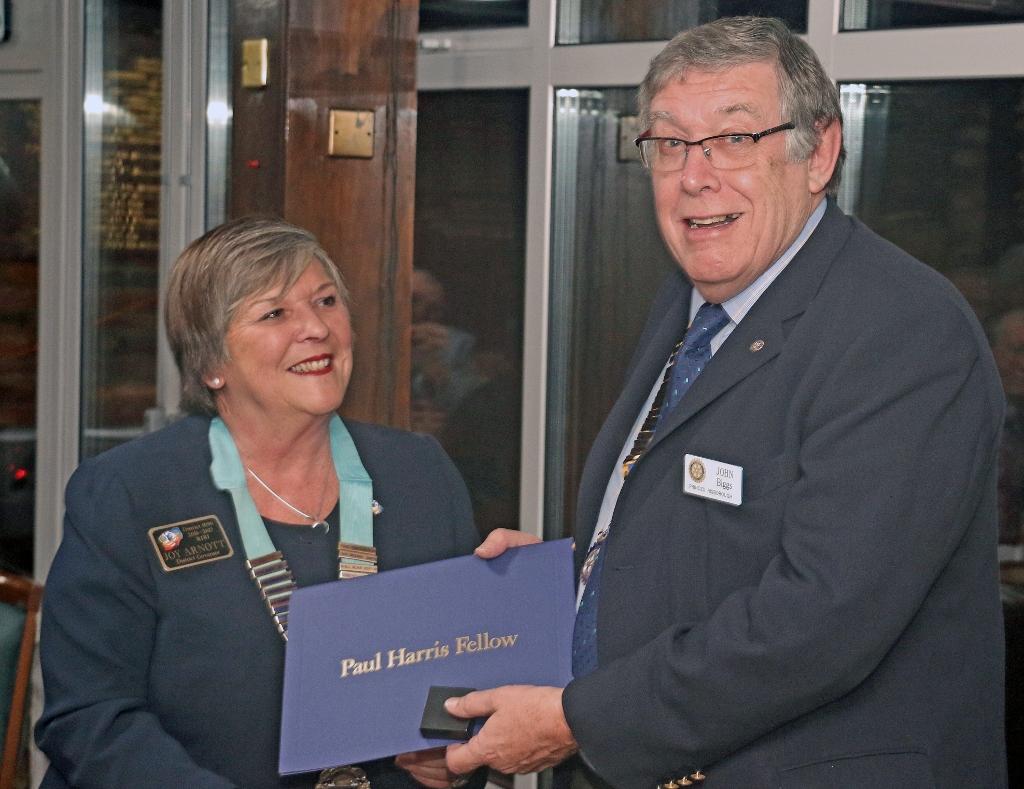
526 730
427 767
500 540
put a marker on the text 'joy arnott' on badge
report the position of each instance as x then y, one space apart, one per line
190 543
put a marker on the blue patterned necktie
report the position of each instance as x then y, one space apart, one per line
695 353
688 361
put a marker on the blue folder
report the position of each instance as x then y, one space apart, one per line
363 653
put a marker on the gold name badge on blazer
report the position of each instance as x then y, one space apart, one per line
190 543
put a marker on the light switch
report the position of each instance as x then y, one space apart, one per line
351 134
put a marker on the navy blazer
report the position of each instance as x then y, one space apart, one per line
842 626
173 679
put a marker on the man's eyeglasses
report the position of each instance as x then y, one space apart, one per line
723 151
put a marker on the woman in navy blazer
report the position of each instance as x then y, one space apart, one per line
162 660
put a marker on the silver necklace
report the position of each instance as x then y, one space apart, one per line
316 521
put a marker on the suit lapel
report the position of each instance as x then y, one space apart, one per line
755 342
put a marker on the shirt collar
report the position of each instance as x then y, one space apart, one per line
739 305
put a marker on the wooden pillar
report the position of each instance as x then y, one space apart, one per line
349 55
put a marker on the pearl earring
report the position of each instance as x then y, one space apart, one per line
215 383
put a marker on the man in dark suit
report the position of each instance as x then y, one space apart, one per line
792 575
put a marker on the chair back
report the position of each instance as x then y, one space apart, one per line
20 598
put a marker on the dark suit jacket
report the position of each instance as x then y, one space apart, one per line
842 627
156 679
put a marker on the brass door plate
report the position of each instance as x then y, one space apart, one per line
254 63
351 134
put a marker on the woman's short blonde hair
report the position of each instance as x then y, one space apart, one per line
214 275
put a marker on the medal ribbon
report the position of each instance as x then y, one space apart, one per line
267 565
355 506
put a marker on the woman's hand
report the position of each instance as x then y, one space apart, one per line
428 768
500 540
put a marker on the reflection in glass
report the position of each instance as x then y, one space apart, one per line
938 168
600 21
467 297
218 112
887 14
19 294
607 261
121 210
462 14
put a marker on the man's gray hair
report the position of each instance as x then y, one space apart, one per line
214 275
808 97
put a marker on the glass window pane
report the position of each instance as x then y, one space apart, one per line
887 14
19 293
467 300
936 167
121 219
607 261
463 14
601 21
218 112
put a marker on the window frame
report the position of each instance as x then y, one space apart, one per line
529 57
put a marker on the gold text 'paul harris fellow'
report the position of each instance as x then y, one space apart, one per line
393 658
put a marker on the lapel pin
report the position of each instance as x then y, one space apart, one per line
375 508
756 345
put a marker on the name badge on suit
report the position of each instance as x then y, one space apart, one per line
713 480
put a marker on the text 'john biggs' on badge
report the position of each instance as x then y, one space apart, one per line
714 480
